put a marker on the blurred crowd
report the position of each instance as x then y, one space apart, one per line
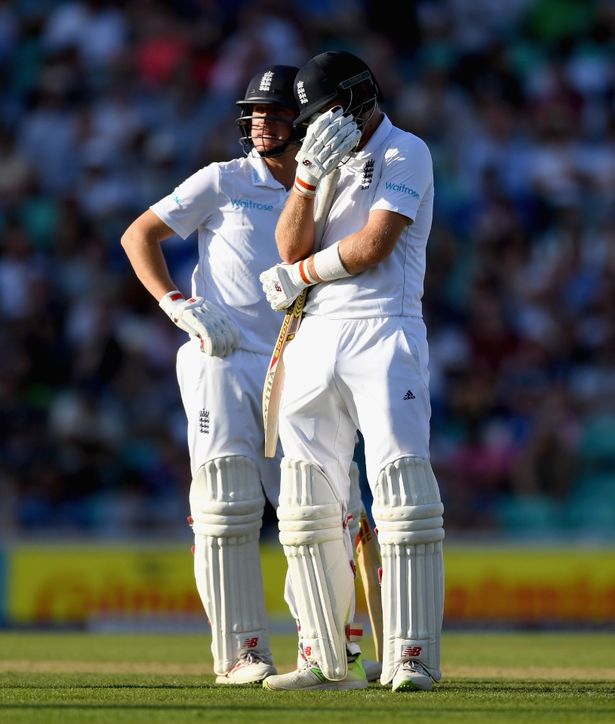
106 106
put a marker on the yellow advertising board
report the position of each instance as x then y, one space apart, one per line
64 584
530 585
76 584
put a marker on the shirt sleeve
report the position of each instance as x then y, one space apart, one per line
191 203
407 175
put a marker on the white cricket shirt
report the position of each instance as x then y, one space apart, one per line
393 172
235 206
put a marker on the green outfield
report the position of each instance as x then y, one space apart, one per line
520 677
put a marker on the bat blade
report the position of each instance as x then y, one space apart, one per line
370 566
272 388
274 379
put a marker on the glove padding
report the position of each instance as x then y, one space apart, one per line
328 140
282 284
218 333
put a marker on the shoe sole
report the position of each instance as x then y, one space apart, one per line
332 686
226 681
411 686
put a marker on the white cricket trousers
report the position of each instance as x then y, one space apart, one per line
344 375
222 398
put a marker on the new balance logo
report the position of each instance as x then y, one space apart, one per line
251 643
204 422
408 651
409 395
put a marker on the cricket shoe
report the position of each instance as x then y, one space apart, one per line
373 669
250 668
310 677
412 676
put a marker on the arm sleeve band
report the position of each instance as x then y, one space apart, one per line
328 264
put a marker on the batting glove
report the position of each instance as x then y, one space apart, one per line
218 333
328 140
283 283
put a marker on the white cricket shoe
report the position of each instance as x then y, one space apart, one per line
412 676
251 668
373 669
311 677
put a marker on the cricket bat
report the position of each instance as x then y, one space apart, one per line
272 389
370 567
274 379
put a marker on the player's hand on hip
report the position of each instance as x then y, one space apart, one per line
328 140
283 283
217 332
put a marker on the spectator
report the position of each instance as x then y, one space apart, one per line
104 104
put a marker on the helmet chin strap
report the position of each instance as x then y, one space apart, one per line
362 121
278 150
362 107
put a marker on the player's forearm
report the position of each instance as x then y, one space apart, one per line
358 253
295 229
141 242
372 244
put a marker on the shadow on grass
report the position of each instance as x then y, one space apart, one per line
573 686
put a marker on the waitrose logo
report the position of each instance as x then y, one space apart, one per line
249 204
401 188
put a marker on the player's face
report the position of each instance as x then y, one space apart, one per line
271 126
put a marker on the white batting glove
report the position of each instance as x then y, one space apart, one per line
283 283
328 140
218 333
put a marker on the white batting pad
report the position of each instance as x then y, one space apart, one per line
226 503
311 519
408 514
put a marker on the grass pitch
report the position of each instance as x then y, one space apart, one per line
512 677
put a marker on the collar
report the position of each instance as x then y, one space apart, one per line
261 176
377 139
